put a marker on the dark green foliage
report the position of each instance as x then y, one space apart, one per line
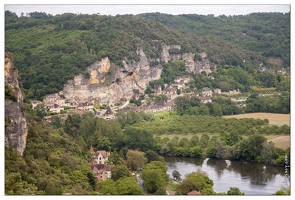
270 37
136 138
120 171
176 175
161 191
62 46
107 187
9 94
152 156
273 103
198 181
154 176
128 186
234 191
136 159
52 164
132 117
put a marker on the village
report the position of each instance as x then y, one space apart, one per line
57 106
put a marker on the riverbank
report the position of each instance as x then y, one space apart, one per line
250 178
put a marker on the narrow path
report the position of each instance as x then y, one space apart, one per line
125 104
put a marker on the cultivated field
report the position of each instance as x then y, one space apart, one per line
277 119
282 142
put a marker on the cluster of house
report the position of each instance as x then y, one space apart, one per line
99 166
160 106
55 104
179 83
278 70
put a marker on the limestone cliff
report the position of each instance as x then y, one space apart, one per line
108 83
17 129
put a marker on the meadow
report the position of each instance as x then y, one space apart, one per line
274 119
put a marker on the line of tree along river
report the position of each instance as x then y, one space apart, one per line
250 178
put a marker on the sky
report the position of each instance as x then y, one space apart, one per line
113 7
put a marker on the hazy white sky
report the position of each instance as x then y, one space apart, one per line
187 7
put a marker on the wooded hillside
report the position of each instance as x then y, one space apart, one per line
49 50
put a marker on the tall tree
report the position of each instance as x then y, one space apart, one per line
136 159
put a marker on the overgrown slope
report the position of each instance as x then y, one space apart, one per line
49 50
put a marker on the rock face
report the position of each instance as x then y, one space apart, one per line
17 131
192 66
108 83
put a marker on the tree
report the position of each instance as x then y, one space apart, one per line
136 159
267 152
103 143
107 187
181 104
154 176
176 175
196 152
72 125
234 191
161 191
128 186
195 181
152 156
119 171
40 110
137 138
194 141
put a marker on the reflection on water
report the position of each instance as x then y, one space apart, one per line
251 178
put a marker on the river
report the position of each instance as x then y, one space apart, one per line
251 178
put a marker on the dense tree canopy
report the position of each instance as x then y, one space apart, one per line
62 46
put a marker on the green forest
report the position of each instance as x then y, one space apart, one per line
56 158
50 50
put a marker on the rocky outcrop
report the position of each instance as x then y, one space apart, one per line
108 83
192 66
17 130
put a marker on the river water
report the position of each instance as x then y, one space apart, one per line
251 178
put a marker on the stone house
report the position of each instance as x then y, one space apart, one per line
71 103
205 99
170 90
157 89
177 79
85 106
181 85
100 157
109 114
186 79
55 99
217 91
101 171
206 92
53 107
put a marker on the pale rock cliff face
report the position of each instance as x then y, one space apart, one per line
16 133
108 84
192 66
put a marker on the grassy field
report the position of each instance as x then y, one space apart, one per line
275 119
282 142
